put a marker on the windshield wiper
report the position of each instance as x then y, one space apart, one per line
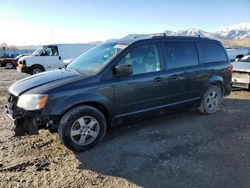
69 69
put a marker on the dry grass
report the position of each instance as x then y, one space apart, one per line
244 42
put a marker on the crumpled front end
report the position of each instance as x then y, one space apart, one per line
26 122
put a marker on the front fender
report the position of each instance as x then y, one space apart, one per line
29 60
65 104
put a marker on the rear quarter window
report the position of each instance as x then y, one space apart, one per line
212 52
180 54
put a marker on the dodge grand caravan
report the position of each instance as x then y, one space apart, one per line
118 81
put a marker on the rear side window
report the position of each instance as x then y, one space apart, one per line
180 54
212 52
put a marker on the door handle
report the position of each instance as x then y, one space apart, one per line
174 76
59 58
158 79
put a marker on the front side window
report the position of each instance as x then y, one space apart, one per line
50 51
143 59
180 54
212 52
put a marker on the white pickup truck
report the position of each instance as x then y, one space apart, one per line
50 57
235 54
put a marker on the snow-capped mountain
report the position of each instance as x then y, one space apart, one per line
240 31
192 32
233 32
241 26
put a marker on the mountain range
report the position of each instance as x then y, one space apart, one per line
233 32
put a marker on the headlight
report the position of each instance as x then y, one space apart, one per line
32 101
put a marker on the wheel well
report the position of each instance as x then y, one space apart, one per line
37 65
219 84
99 106
7 61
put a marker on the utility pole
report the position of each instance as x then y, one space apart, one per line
52 36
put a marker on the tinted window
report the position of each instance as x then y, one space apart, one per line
212 52
180 54
143 58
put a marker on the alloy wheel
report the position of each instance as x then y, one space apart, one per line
84 130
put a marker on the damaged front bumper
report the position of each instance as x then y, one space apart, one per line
26 122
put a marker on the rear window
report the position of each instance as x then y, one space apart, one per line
212 52
180 54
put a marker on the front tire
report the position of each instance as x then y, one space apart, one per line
211 100
36 69
82 128
9 65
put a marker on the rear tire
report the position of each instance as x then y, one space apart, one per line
82 128
211 100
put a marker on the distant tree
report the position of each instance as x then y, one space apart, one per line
13 48
4 47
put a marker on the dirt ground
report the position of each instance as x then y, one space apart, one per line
182 149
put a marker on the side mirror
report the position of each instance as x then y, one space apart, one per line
123 70
68 61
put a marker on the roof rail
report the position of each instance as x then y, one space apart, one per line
151 35
158 35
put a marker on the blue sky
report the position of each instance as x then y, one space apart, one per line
46 21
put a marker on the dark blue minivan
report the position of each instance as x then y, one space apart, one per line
117 81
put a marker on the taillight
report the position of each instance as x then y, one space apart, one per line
231 69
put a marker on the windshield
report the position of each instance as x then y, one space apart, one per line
93 60
38 51
245 59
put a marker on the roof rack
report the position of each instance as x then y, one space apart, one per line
158 35
151 35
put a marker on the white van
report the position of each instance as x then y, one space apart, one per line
50 57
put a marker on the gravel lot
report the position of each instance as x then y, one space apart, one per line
182 149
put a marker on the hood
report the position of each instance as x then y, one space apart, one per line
41 79
241 66
24 57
